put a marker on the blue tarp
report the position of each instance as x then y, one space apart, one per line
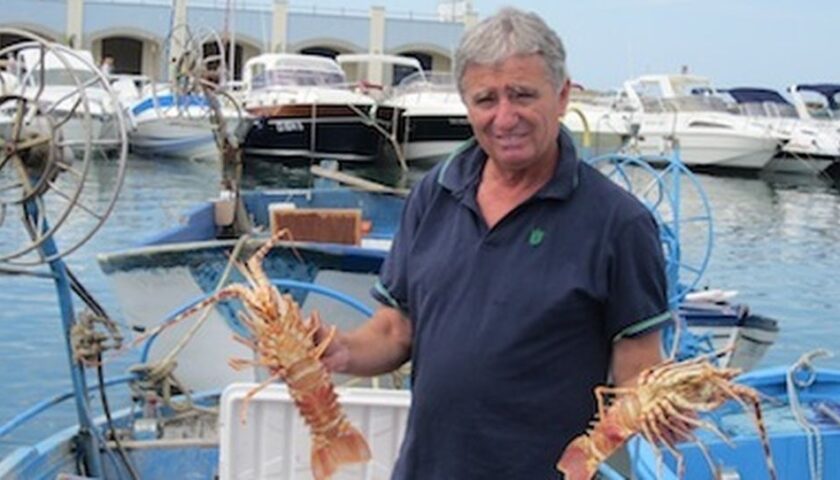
756 95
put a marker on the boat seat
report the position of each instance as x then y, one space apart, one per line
327 225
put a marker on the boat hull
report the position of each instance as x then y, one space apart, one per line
174 138
344 136
154 282
745 337
714 151
165 272
802 164
432 137
189 450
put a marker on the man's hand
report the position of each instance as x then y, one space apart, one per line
336 357
380 345
633 355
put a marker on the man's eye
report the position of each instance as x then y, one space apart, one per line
523 95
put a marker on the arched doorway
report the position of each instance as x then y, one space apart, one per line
212 49
7 39
127 53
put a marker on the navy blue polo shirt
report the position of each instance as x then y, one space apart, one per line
513 326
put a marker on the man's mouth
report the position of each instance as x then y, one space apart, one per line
510 141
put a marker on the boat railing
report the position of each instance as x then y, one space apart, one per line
35 410
289 284
31 413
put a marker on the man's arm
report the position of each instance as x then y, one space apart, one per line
380 345
631 355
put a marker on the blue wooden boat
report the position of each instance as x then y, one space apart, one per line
802 415
194 258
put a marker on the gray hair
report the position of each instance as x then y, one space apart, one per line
507 33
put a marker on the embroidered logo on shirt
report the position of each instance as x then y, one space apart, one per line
536 237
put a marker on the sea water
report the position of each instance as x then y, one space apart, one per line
775 241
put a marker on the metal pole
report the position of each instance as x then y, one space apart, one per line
88 441
232 40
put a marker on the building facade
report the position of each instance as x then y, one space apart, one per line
141 34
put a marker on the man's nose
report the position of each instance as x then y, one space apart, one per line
506 115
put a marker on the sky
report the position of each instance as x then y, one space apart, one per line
766 43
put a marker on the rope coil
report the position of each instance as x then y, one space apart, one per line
92 335
795 382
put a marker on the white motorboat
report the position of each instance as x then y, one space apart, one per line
68 88
302 106
594 124
667 108
432 117
807 146
819 101
164 124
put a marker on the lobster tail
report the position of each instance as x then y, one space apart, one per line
582 456
330 453
576 462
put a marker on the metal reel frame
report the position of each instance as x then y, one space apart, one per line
47 146
661 194
186 63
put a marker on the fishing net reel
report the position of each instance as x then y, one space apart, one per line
680 206
196 60
199 75
58 119
200 82
676 199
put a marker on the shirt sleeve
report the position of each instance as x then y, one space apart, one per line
638 300
391 288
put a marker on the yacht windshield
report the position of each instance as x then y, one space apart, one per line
428 81
768 109
821 104
287 75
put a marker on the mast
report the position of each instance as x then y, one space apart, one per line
230 34
179 33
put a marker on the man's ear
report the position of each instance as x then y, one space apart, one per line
563 99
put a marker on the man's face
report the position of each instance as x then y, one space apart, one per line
514 110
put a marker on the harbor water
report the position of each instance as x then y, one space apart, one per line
776 243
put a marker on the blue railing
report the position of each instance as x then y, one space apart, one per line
282 283
45 404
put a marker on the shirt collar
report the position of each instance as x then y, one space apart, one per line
462 169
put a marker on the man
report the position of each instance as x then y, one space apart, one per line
107 66
520 277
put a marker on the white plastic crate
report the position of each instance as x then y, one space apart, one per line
274 442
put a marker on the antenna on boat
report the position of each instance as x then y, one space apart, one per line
49 138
